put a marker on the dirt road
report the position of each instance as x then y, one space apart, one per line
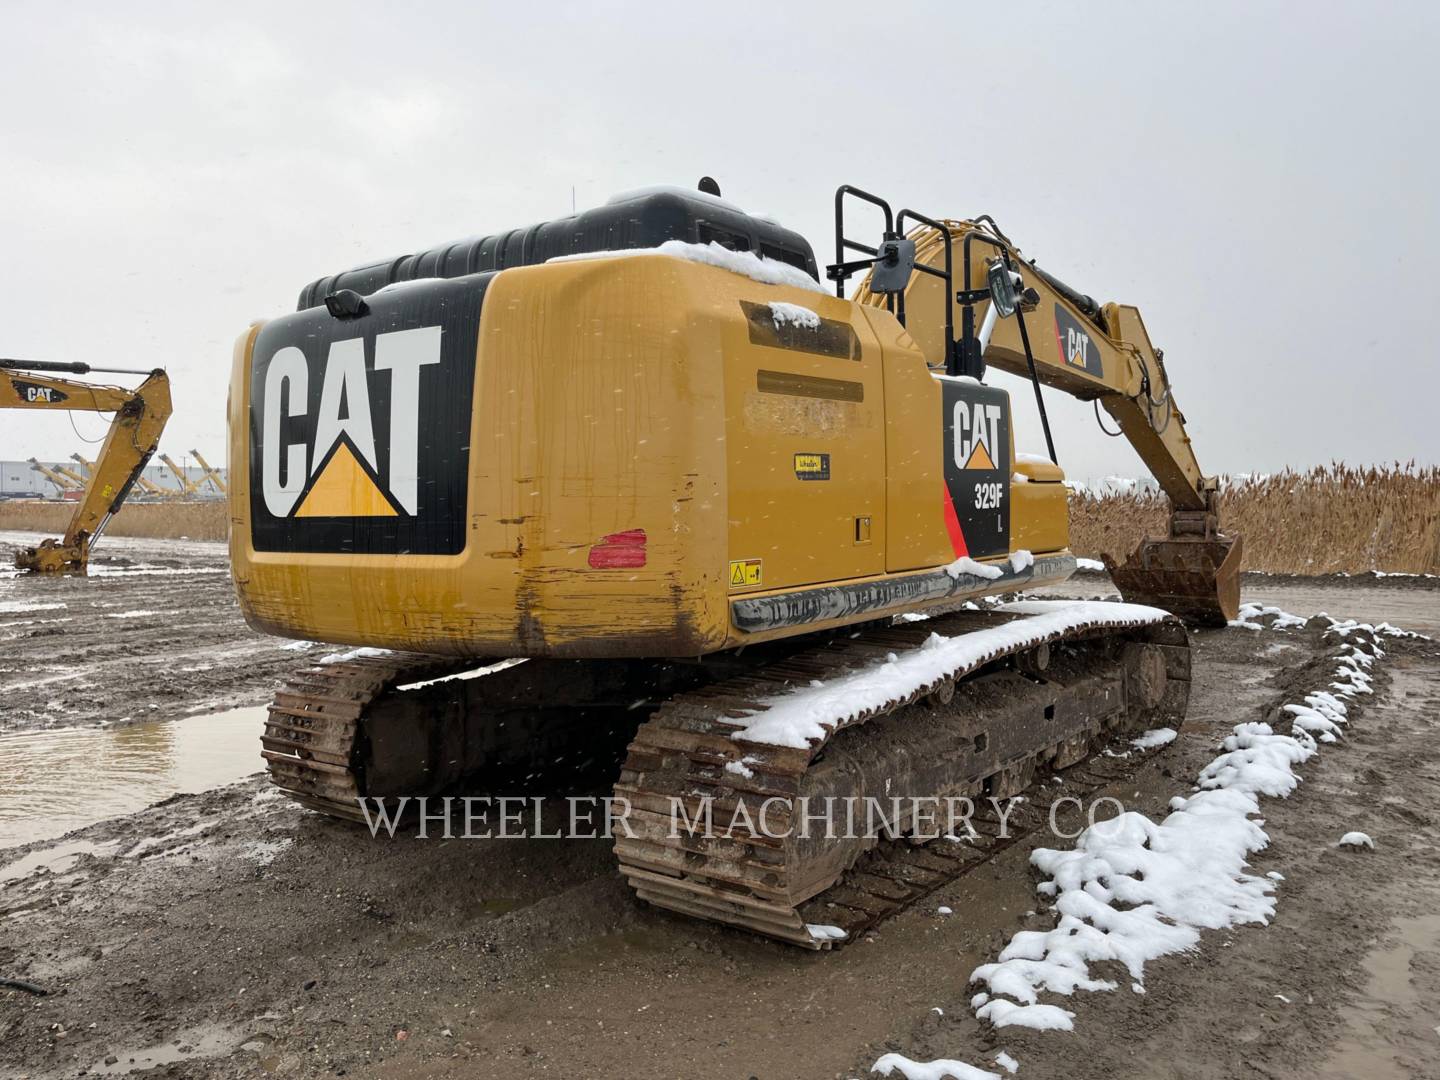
229 933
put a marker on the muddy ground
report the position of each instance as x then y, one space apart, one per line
153 633
229 933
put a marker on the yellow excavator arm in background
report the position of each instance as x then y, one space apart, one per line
62 478
216 480
134 434
187 486
1009 314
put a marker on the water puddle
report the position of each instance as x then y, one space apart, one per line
207 1042
1363 1050
54 781
57 859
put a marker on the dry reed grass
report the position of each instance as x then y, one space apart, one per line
1332 519
169 520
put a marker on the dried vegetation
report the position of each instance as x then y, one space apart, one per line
1331 519
168 520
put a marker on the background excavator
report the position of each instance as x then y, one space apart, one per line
153 490
187 485
211 474
139 418
65 480
734 526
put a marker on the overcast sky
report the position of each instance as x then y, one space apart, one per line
1260 179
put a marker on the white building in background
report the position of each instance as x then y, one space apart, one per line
19 480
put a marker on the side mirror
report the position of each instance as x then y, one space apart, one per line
1004 288
894 263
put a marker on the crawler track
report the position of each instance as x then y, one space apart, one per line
312 740
981 730
399 724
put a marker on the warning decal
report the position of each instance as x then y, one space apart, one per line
744 572
812 466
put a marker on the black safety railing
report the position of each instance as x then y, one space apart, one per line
962 357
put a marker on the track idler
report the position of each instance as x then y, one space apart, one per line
1194 573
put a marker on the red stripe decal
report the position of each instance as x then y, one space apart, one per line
952 525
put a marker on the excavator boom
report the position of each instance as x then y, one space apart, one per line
140 416
1060 338
61 478
211 474
187 486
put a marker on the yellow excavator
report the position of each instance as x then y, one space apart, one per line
139 417
735 526
60 477
188 487
211 474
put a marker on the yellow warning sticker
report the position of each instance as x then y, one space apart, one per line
744 572
812 466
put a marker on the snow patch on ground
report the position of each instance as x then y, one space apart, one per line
1089 564
822 932
941 1069
1006 1062
794 315
1251 614
15 607
808 715
136 614
1133 890
101 570
150 843
263 852
1357 840
1154 737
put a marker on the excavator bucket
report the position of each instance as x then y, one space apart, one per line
53 557
1198 580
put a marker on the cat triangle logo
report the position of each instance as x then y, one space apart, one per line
979 459
344 487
